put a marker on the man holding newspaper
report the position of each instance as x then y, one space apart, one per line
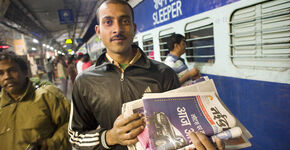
122 74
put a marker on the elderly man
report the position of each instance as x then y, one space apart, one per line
30 117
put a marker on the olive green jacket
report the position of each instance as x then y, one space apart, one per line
39 114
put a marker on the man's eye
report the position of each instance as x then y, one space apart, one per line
126 21
108 22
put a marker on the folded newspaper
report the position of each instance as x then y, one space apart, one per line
172 114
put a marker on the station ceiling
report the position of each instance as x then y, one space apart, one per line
50 21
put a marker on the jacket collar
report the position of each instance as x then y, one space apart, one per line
6 100
140 61
133 61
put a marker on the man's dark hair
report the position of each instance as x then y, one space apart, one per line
122 2
174 39
86 58
11 56
80 56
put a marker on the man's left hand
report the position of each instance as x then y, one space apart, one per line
201 142
43 144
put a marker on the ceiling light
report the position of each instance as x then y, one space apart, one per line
35 41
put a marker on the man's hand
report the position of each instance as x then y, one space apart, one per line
195 74
43 144
190 74
201 142
38 145
125 130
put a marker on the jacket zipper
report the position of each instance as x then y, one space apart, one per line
122 76
125 96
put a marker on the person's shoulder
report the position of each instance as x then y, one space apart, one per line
50 88
162 67
170 59
39 83
52 97
92 70
156 63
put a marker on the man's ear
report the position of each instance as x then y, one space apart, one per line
176 46
97 29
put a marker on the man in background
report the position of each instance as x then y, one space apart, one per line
49 67
177 45
62 73
80 62
30 117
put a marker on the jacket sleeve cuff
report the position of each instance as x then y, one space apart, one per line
103 140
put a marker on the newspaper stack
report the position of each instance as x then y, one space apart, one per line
172 114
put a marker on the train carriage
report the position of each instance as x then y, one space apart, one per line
242 44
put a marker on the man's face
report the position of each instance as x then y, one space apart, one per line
116 28
182 46
12 78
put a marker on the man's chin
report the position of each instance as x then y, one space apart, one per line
120 49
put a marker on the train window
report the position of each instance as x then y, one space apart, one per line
260 35
148 46
200 42
163 38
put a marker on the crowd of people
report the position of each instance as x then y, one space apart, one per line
38 117
63 70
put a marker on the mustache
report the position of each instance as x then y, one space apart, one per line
118 37
8 82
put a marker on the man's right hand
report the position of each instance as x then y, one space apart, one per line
125 130
193 72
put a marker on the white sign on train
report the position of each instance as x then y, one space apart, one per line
166 10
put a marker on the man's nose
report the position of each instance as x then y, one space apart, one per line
6 75
118 28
